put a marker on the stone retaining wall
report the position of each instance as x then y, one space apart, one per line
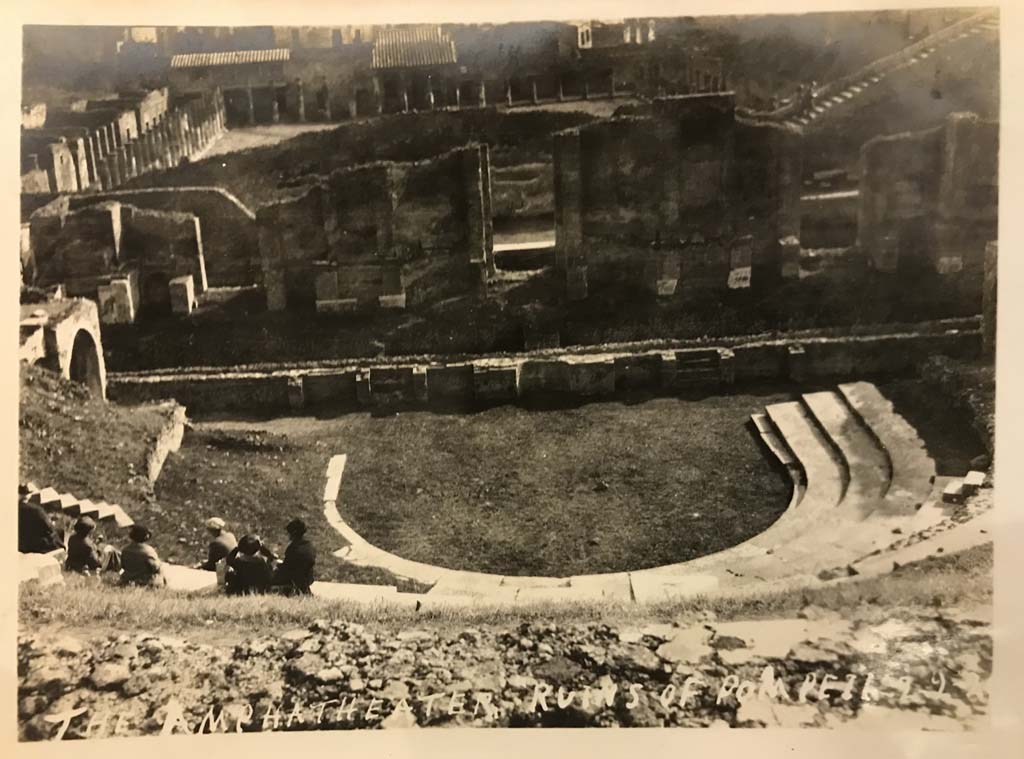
490 381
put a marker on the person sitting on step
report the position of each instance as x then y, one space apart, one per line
251 566
294 575
221 544
36 533
84 555
140 562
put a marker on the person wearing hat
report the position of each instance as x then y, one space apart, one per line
140 562
251 568
222 543
294 575
83 553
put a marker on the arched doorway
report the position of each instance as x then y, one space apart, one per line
85 363
156 295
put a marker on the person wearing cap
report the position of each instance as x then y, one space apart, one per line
294 575
222 543
83 553
140 562
251 568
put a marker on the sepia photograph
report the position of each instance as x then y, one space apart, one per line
609 371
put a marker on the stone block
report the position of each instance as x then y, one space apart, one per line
392 301
638 372
327 285
339 306
973 481
330 387
592 378
296 393
543 378
183 296
391 385
796 362
496 383
419 384
115 302
667 287
949 265
954 492
727 366
363 396
789 248
450 382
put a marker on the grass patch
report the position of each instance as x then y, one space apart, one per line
599 488
956 580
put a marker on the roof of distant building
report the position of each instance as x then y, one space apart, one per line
229 58
416 46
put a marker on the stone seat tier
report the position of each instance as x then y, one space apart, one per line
913 470
865 461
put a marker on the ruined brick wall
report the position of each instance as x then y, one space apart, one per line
663 200
164 242
86 245
230 241
371 231
929 200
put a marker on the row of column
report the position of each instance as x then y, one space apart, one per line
177 134
479 95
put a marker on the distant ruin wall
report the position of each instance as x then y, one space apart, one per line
578 377
929 200
371 232
632 195
229 228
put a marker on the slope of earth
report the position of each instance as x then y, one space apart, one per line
891 653
79 444
599 488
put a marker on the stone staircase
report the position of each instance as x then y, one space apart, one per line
69 505
858 87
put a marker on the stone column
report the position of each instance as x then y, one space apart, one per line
586 89
103 174
405 101
123 165
430 92
483 94
91 157
533 90
473 183
115 171
138 159
250 106
458 97
561 90
988 302
508 93
569 254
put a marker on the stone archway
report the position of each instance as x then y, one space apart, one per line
84 366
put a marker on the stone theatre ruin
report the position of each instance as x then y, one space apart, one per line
643 320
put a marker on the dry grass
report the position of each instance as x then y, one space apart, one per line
85 605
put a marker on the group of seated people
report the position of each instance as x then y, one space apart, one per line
243 567
251 567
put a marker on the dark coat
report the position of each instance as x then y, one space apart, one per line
296 571
36 534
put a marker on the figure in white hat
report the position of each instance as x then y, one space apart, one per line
222 543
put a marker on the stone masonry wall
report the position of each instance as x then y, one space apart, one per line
372 232
637 199
567 377
929 200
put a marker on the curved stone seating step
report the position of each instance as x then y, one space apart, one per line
789 546
913 470
866 462
781 451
